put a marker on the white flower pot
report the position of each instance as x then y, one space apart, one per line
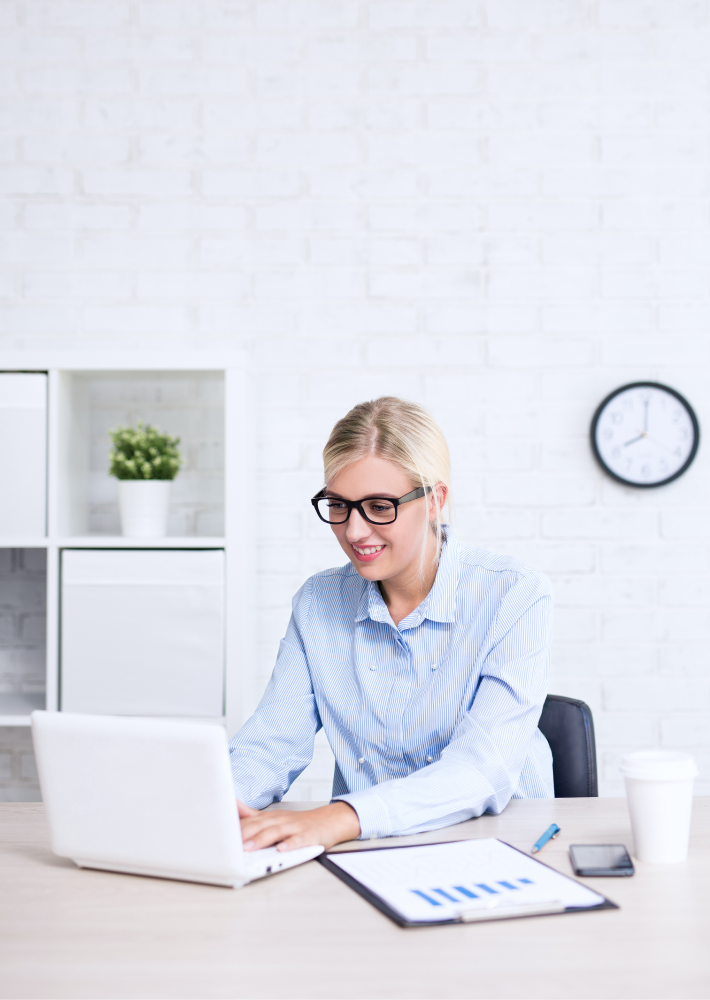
144 504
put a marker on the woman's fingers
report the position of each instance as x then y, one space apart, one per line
266 829
294 841
327 825
262 821
245 810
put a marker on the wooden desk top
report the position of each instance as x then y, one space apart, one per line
303 933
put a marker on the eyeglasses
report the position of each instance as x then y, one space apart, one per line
376 510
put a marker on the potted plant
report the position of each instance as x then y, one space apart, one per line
145 462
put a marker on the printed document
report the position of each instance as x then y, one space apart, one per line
441 881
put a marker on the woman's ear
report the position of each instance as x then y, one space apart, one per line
437 499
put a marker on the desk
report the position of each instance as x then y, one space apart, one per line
303 933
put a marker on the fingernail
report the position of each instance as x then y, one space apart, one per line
248 845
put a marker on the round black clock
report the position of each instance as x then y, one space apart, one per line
645 434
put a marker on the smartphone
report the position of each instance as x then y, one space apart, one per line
601 859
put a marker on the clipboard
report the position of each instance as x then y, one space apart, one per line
505 910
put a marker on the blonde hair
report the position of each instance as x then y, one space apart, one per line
401 432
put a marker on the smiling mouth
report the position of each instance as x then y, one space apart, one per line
366 553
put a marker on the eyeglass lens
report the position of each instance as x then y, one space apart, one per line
378 510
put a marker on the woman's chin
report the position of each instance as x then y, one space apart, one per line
371 569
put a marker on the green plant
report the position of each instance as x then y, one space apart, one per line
142 452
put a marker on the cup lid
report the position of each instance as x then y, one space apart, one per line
658 765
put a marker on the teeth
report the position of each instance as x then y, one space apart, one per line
368 552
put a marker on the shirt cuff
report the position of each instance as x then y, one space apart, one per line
372 813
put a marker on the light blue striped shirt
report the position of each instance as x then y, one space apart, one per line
432 722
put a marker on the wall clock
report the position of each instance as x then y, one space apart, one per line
645 434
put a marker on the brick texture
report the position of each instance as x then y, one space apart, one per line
22 664
496 207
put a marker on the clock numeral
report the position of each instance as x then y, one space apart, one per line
617 418
678 451
615 453
646 470
683 434
607 434
663 467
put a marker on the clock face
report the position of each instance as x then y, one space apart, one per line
645 434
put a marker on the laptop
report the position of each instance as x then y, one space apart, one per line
147 797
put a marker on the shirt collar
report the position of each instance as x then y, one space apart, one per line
440 603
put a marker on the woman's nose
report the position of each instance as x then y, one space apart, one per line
357 527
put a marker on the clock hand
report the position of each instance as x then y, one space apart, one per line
660 444
634 440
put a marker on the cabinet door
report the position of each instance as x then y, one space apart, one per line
23 454
143 632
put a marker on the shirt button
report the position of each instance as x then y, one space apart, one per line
429 760
362 760
373 666
433 666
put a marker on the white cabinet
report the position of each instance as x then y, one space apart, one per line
147 627
23 454
142 632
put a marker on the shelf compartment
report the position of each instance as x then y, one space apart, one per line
185 404
23 453
23 626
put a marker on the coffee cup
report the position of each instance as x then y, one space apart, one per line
659 792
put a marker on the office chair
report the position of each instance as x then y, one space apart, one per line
568 727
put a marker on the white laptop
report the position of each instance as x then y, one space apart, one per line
148 797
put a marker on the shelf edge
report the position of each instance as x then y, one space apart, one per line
121 542
41 542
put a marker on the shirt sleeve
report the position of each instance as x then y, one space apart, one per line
276 744
480 768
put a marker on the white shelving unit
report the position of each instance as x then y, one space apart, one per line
204 400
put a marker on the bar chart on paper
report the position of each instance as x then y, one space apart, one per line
441 881
461 893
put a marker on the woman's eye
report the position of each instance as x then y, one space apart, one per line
381 508
334 505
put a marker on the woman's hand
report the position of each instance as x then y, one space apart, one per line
328 825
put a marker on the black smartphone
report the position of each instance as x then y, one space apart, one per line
601 859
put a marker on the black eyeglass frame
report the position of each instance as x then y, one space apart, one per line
421 491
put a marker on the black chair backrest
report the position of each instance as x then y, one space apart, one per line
567 726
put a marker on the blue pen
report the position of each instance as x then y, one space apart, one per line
550 833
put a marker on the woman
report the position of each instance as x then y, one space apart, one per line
426 661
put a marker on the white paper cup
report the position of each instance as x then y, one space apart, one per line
659 791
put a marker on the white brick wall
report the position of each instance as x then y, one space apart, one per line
497 207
